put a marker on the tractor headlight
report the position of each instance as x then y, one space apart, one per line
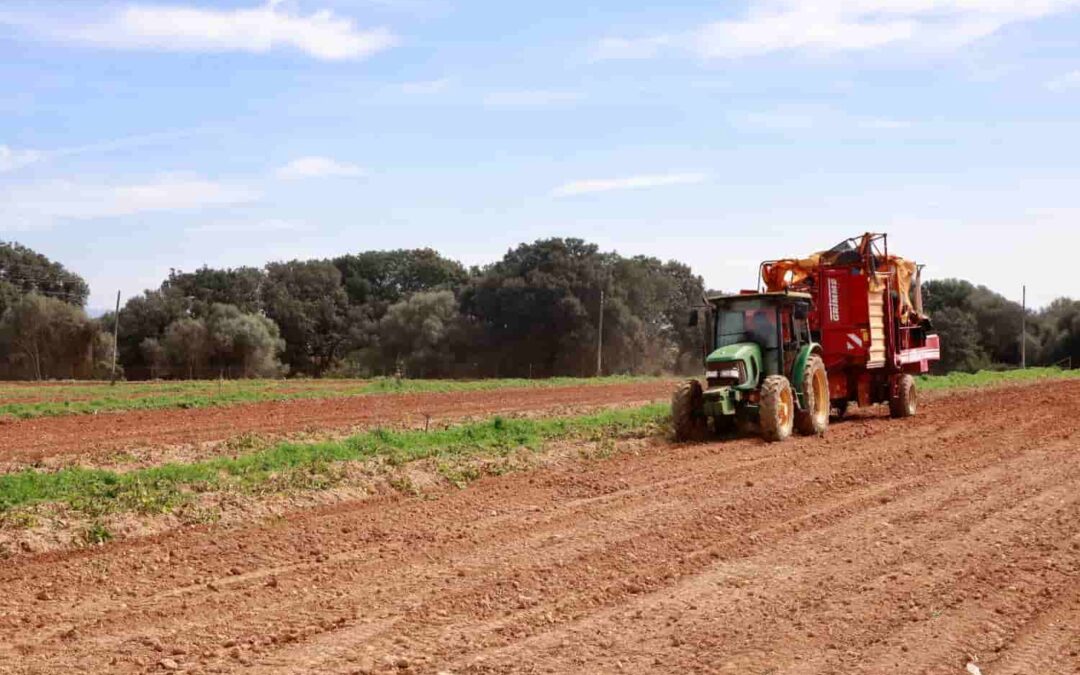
721 374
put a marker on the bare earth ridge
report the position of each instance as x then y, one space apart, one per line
913 546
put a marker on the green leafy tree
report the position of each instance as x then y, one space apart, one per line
145 317
24 271
307 301
187 346
1057 332
382 278
42 338
245 344
205 287
960 347
417 334
155 357
995 319
538 310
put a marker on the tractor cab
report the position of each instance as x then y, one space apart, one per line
768 327
762 368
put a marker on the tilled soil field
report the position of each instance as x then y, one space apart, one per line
86 438
947 543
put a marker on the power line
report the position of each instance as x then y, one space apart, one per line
48 291
22 276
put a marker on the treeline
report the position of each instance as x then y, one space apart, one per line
44 331
536 312
981 329
416 313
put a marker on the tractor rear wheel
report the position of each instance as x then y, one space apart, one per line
777 410
814 419
686 411
905 401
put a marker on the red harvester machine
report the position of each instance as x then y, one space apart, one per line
867 316
842 325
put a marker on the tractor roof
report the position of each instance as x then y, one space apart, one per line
776 296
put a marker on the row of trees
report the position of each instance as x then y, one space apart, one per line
980 328
47 338
44 331
536 312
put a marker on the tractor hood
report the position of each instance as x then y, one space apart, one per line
746 353
741 351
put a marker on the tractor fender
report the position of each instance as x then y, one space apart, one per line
799 367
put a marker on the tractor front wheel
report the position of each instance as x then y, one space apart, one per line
906 399
814 419
686 411
777 409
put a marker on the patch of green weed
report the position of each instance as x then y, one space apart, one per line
288 466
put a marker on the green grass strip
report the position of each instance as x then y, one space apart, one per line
985 378
138 396
161 488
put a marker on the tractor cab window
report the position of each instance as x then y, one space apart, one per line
746 322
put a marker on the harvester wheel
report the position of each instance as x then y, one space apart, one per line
906 400
777 411
686 411
814 420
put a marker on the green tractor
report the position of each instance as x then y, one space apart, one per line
763 370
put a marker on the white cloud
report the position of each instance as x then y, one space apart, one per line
797 118
12 159
426 86
1064 216
626 48
841 25
1065 82
181 28
530 98
884 123
33 204
318 167
581 187
822 118
251 227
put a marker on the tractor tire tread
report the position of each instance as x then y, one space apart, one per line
807 422
772 427
686 417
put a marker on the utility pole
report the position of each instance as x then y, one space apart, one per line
116 336
1023 331
600 338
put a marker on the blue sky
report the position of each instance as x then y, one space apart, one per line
142 136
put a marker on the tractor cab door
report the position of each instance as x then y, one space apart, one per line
763 326
795 332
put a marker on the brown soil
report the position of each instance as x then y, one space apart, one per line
87 438
917 546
